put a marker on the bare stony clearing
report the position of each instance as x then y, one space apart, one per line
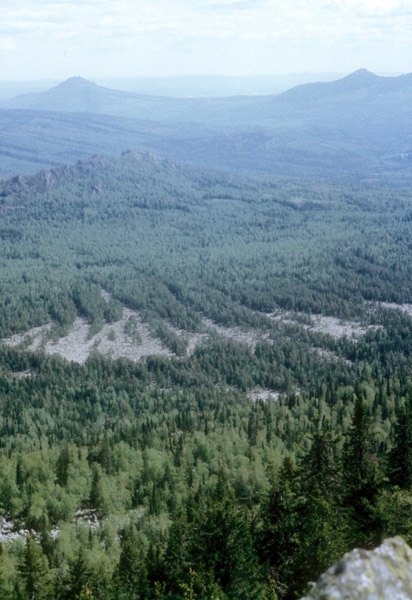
331 356
337 328
406 308
250 337
76 346
112 340
33 338
263 394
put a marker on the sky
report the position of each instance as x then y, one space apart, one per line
56 39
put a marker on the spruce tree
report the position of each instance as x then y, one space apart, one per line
400 457
360 479
33 570
278 538
62 466
131 573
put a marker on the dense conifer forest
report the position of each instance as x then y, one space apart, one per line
259 447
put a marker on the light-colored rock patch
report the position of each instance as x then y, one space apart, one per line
264 394
406 308
381 574
33 338
331 356
110 341
76 346
250 337
8 533
337 328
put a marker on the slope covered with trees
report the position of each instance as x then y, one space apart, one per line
173 477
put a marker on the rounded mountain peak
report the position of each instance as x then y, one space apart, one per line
362 74
77 82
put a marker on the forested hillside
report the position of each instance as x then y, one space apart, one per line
268 433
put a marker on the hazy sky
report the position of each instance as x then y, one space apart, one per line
55 39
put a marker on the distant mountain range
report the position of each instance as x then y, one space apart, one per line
358 126
184 86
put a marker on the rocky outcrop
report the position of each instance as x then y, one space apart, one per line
381 574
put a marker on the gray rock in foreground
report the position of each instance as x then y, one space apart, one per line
382 574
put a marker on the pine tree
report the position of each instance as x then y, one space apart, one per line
62 466
33 570
400 457
131 573
97 499
79 574
177 556
319 467
355 457
360 479
221 548
105 454
321 535
278 538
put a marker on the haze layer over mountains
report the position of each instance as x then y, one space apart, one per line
359 125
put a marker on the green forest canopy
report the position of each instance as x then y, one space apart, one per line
168 478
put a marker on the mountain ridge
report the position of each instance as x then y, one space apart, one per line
356 126
361 80
78 94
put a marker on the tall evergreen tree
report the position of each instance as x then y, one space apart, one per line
278 538
319 466
62 466
79 575
321 535
355 454
221 546
360 479
131 573
33 571
400 457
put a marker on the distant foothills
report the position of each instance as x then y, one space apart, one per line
354 127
